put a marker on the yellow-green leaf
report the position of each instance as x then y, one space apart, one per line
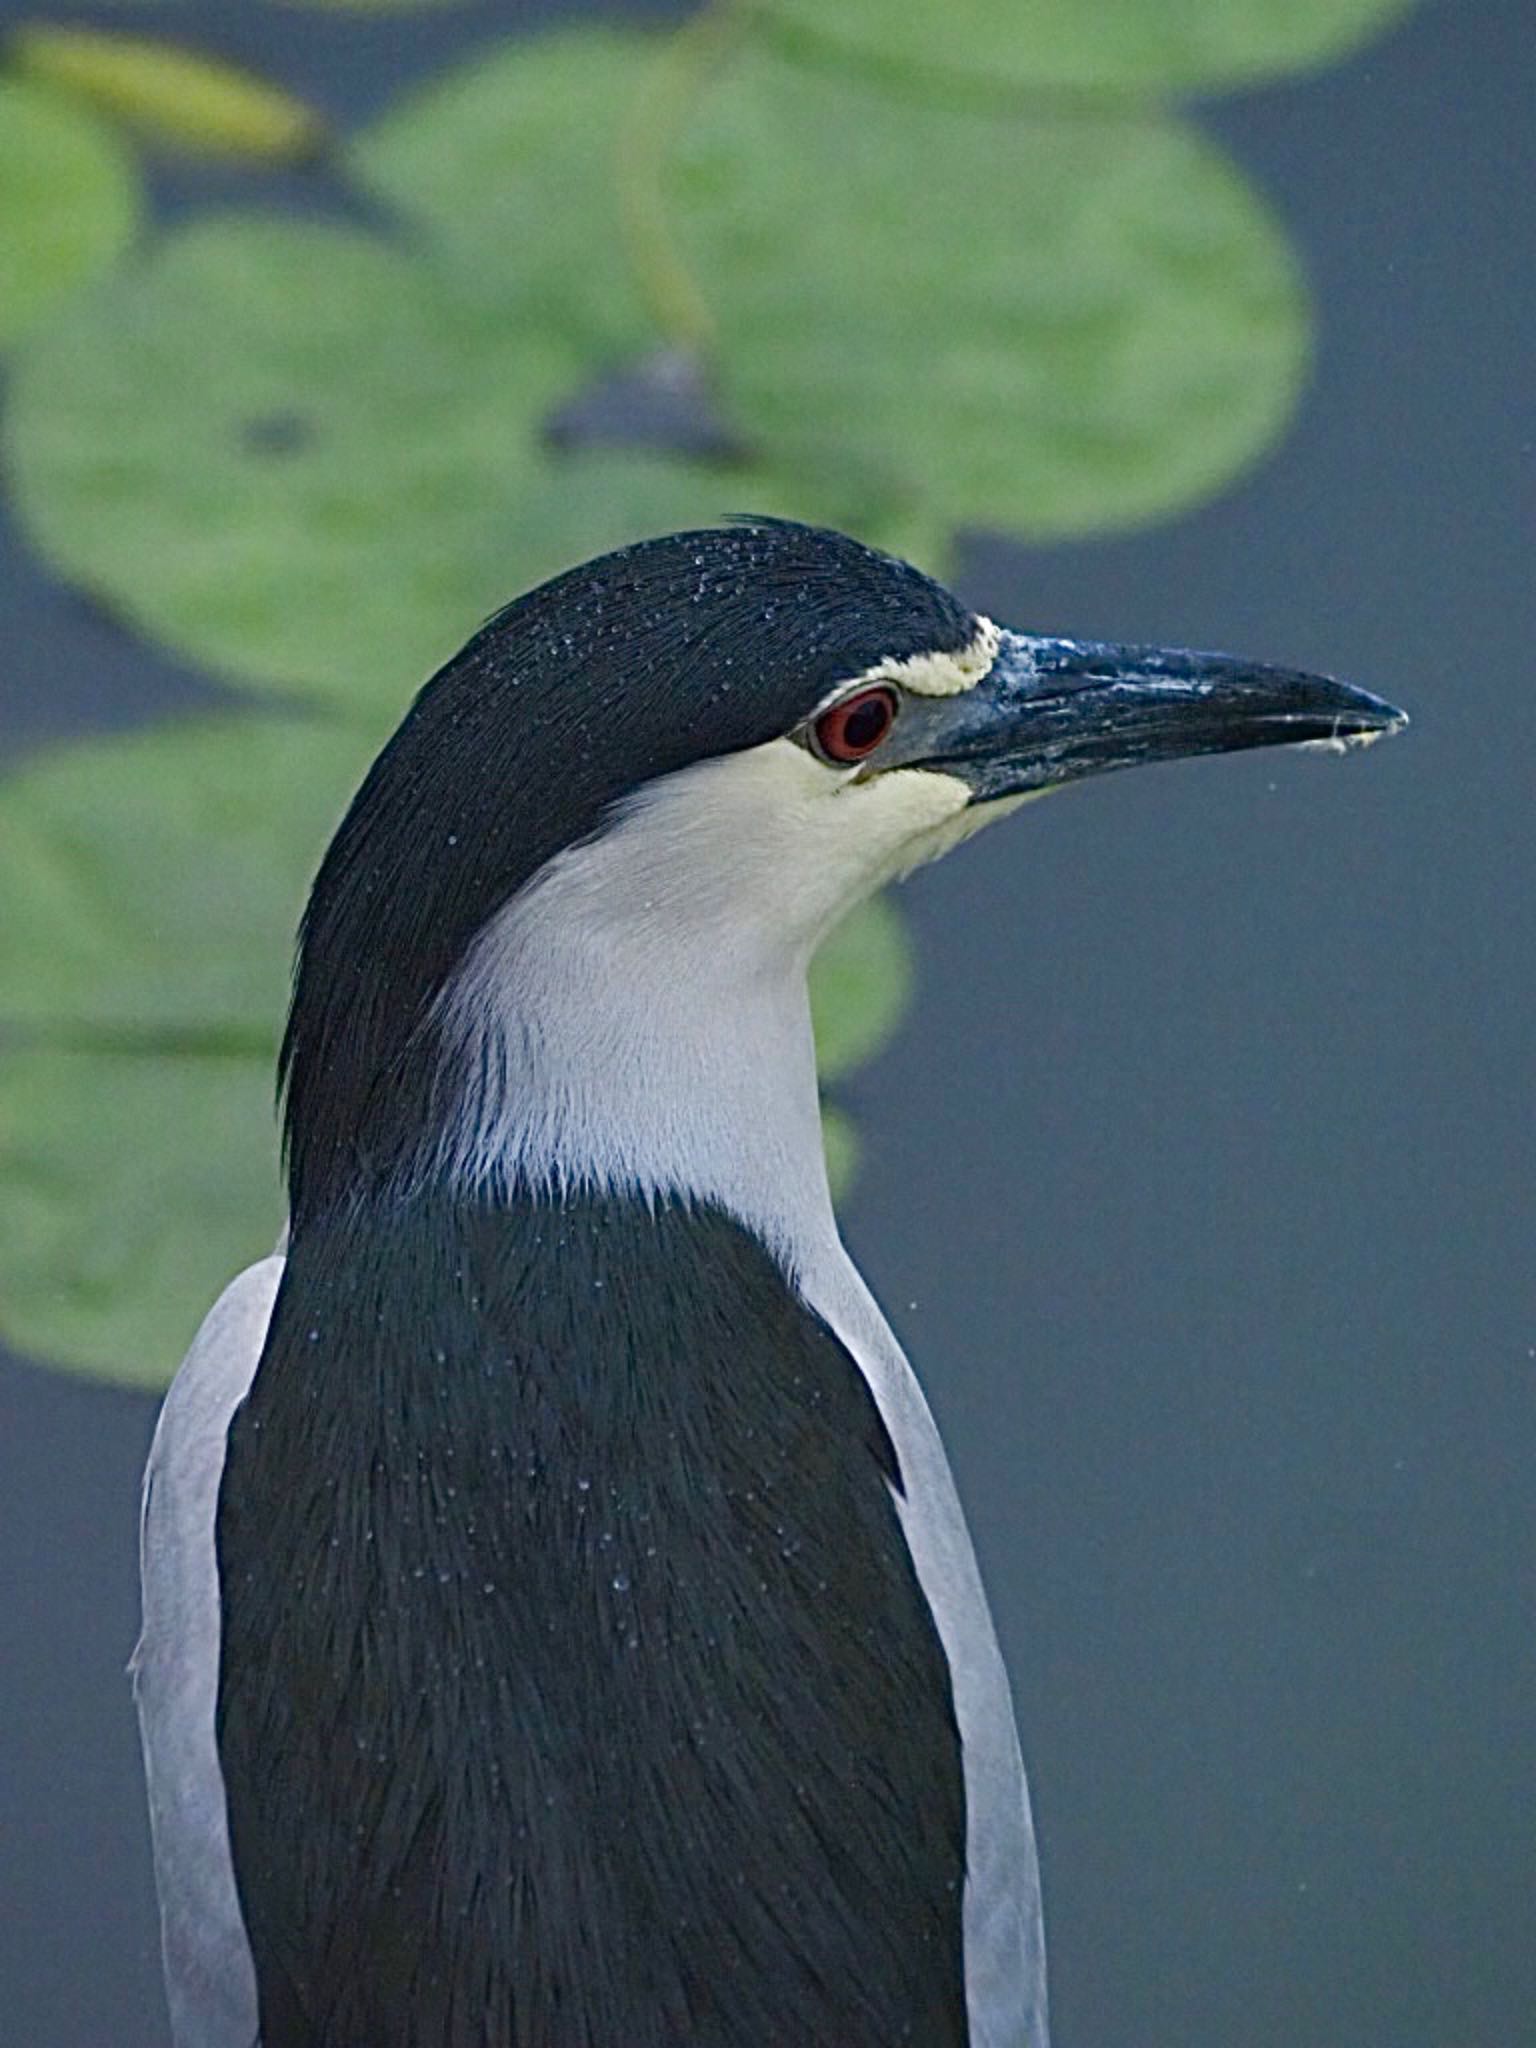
69 203
169 93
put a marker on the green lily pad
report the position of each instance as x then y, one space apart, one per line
154 882
861 984
508 163
132 1188
1044 324
69 198
1169 45
282 450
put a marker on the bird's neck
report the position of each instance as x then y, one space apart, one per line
601 1048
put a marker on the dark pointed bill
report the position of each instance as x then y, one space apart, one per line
1050 711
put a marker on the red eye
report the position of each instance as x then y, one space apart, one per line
852 730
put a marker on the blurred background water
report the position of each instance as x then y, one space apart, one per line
1198 1178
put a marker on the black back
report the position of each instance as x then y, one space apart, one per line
629 668
577 1689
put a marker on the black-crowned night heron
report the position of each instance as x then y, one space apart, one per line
560 1628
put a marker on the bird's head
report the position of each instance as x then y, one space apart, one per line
649 787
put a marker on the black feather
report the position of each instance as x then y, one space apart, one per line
577 1688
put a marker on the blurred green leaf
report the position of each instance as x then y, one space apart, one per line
861 983
1045 324
1170 45
169 93
69 200
132 1188
508 161
154 882
282 451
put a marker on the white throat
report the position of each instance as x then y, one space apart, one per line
636 1018
597 1064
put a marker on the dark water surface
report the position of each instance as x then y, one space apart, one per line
1200 1184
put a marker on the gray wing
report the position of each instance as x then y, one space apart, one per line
210 1983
